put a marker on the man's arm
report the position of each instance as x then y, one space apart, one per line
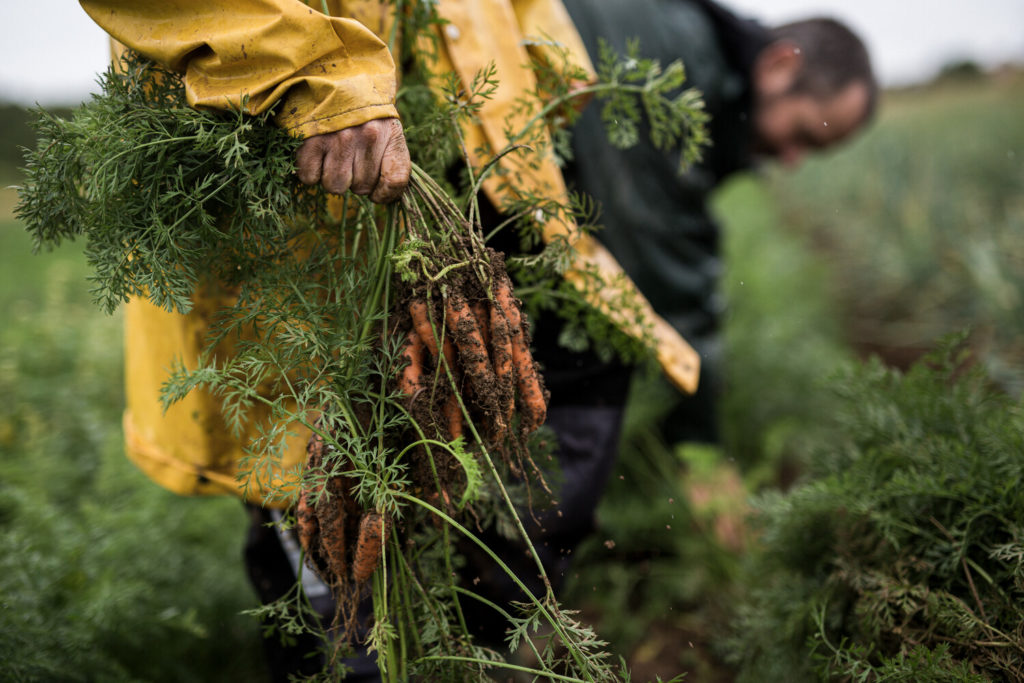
334 79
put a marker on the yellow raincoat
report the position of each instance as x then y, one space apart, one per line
331 73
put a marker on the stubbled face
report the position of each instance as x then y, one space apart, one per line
788 125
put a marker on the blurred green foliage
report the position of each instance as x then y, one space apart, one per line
17 135
653 574
103 576
882 247
782 335
655 565
919 222
903 550
895 556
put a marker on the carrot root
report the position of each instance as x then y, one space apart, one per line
453 417
504 370
531 393
331 515
449 353
473 357
372 532
411 375
482 316
306 525
421 324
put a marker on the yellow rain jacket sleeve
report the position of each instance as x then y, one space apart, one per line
331 73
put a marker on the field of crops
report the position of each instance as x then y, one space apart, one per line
920 223
908 235
105 576
883 248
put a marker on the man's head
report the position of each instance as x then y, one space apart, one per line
813 87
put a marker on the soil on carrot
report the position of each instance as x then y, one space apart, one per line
477 340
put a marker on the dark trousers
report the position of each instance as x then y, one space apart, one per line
587 444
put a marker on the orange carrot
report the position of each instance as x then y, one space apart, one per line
480 313
449 353
508 304
473 358
504 372
421 324
453 417
531 394
331 517
314 451
409 379
368 548
469 340
330 511
306 524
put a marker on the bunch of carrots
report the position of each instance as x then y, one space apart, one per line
466 374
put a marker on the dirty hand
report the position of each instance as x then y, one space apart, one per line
369 159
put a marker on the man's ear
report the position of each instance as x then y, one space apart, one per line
777 67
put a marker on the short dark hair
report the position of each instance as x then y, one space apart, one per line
833 58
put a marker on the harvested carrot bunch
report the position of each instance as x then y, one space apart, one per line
465 374
469 370
485 346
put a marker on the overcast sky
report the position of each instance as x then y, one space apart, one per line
50 52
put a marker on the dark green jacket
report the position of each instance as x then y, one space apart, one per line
656 222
